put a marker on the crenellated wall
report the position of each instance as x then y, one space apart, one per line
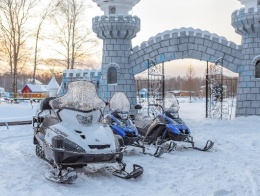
121 27
186 43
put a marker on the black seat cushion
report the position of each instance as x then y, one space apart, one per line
45 104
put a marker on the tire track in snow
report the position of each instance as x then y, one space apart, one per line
19 164
254 179
16 138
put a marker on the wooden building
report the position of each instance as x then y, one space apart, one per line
34 91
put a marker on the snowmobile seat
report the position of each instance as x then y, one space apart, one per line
45 103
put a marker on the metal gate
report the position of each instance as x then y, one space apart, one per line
220 92
155 87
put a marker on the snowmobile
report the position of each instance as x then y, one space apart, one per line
69 133
121 123
167 126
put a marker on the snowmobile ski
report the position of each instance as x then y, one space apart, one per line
158 152
207 147
137 171
169 147
66 176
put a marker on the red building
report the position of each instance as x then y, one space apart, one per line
34 91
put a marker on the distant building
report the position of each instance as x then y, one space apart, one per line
176 93
143 93
34 91
53 87
72 75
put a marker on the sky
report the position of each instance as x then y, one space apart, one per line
158 16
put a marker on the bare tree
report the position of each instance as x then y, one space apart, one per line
73 35
13 18
190 74
46 12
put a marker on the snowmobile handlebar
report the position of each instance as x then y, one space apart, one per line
157 105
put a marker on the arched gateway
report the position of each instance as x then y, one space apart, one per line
117 28
186 43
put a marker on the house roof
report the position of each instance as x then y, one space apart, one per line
36 88
143 90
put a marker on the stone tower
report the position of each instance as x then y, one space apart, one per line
246 22
116 28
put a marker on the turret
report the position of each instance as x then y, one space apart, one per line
116 28
246 23
53 87
116 7
250 3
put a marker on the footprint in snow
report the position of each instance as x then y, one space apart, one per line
222 192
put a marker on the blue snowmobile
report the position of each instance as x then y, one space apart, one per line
167 126
121 123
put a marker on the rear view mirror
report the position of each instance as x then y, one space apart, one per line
138 107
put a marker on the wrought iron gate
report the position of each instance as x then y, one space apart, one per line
220 92
156 87
153 88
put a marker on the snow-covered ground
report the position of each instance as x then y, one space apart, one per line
230 168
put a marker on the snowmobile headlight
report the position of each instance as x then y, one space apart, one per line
72 147
85 120
175 115
60 142
123 115
173 109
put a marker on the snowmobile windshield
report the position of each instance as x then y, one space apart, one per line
171 103
81 95
119 103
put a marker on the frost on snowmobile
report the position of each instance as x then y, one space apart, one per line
68 134
122 125
167 126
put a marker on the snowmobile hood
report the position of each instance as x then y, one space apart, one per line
96 135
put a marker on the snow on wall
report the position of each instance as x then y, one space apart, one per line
186 43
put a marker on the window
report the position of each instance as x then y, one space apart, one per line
258 2
71 74
257 70
92 74
112 10
111 75
77 74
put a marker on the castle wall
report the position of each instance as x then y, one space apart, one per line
246 23
186 43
